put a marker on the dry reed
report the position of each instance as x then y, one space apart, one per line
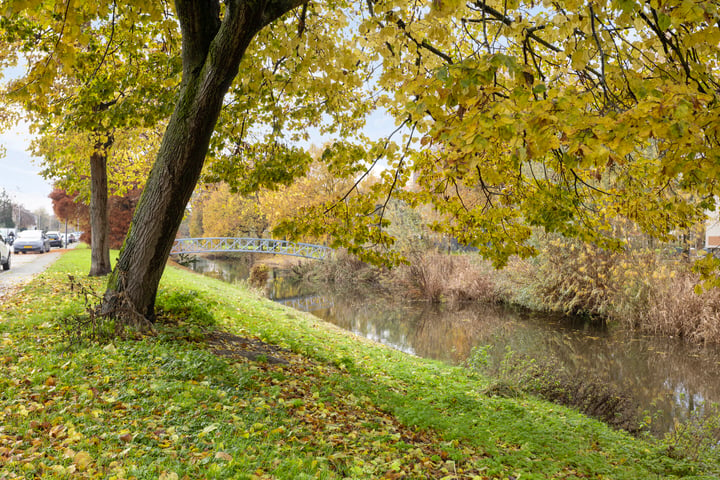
435 277
675 309
640 290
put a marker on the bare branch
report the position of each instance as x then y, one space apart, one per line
398 170
367 172
483 7
107 47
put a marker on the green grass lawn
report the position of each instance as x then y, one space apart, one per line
235 386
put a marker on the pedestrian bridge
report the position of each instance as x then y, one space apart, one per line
249 245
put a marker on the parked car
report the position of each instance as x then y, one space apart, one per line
31 241
68 239
8 234
55 239
5 253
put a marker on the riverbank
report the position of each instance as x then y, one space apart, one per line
234 386
649 292
660 381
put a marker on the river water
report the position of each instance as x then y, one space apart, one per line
665 376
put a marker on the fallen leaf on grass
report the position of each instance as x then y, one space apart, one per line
82 460
58 469
224 456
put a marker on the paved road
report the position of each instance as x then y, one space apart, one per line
23 268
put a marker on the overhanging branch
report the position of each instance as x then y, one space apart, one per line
530 32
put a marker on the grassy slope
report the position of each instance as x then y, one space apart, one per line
342 407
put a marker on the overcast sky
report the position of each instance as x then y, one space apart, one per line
19 176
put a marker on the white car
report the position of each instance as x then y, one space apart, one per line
5 253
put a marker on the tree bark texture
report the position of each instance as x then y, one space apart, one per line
99 226
212 49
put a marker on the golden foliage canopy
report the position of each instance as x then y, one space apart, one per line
510 115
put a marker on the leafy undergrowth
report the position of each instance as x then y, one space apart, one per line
234 386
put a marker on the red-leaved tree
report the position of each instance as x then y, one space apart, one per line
120 211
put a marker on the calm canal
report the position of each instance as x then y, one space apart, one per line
665 376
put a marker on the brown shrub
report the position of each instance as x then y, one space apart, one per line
435 277
259 274
343 269
642 290
675 309
428 276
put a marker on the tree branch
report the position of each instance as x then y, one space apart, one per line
603 82
367 172
655 27
301 21
107 47
200 23
530 32
398 171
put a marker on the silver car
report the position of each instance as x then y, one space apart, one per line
31 241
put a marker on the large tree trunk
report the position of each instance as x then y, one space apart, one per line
211 51
99 227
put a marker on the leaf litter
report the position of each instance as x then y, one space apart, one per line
350 435
225 406
78 422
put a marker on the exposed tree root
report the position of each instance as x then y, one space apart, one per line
117 305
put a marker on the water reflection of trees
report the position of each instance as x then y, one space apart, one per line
661 374
282 287
372 319
228 269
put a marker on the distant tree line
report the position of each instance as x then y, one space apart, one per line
14 215
6 211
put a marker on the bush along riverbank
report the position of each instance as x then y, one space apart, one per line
645 291
234 386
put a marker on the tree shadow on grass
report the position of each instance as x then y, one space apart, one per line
229 345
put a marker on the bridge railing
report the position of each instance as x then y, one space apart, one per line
250 245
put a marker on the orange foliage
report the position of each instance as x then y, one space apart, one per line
121 209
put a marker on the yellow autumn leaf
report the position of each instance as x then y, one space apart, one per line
58 469
82 460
